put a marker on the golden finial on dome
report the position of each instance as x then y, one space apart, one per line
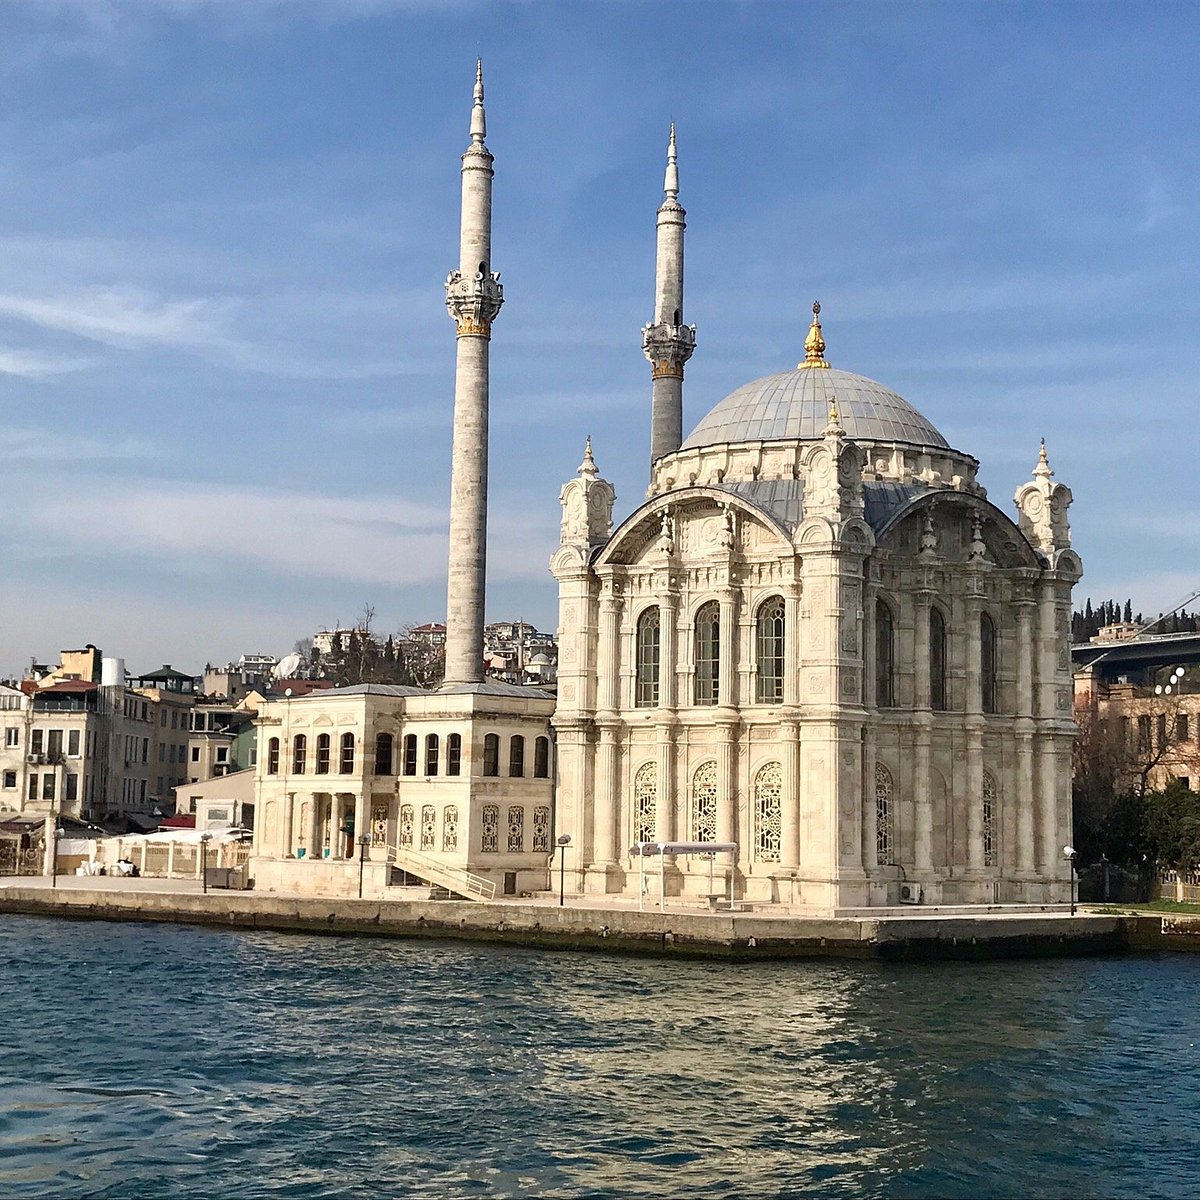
814 344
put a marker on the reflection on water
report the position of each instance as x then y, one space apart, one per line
163 1061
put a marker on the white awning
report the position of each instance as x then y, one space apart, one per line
641 849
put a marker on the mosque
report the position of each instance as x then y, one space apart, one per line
816 638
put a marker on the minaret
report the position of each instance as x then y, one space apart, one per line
474 297
667 342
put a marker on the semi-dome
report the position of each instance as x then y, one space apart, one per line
795 405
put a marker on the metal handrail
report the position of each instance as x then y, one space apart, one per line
453 879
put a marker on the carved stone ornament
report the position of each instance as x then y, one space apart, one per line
474 301
668 347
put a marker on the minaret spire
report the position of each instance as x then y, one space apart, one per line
667 342
473 297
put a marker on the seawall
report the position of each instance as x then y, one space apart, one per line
736 936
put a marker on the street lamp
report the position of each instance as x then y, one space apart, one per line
363 842
54 860
564 840
205 838
1069 854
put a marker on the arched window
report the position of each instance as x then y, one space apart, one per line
885 656
704 803
768 812
516 829
648 645
407 821
454 754
987 663
273 756
937 659
410 754
346 766
541 829
516 756
708 654
769 641
989 799
491 754
883 815
490 827
431 754
541 758
383 754
428 827
299 753
645 802
450 827
323 754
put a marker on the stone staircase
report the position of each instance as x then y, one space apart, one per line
455 882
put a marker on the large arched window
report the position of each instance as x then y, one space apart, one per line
346 765
410 754
299 753
987 663
383 754
407 820
491 754
323 754
708 654
704 803
450 827
768 812
516 756
454 754
937 659
431 754
769 643
645 802
648 646
273 756
883 815
988 802
541 758
885 656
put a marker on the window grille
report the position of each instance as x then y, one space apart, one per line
428 827
707 685
450 827
407 822
379 820
649 641
768 812
490 820
704 803
541 829
885 660
989 819
645 801
883 815
516 829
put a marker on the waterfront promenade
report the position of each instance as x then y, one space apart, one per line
584 924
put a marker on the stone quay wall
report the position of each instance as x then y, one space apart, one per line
736 936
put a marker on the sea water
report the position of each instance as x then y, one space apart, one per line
166 1061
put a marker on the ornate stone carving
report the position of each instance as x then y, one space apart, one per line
668 347
474 301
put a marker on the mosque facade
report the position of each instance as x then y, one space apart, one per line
816 638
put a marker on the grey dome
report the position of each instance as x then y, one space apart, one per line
794 405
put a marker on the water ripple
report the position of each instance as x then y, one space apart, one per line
159 1061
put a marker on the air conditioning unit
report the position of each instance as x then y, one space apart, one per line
35 759
910 893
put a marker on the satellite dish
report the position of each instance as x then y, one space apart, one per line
287 666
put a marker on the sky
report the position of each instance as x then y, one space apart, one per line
226 369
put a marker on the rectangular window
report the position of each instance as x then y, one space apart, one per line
174 719
1161 730
491 755
12 735
163 718
222 754
38 743
454 754
145 749
72 782
1143 735
195 754
48 785
10 779
54 743
1181 727
33 786
410 754
73 742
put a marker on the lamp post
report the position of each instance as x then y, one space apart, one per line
363 842
205 838
1069 855
54 858
564 840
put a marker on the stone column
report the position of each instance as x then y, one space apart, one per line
1024 800
607 660
664 816
870 814
791 645
974 730
922 698
604 822
286 845
473 297
668 664
789 799
311 828
362 821
726 688
727 759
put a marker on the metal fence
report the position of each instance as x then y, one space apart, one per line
17 861
1183 886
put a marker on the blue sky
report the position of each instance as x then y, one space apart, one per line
226 370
